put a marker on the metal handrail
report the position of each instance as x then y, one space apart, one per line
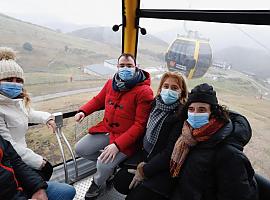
65 115
59 134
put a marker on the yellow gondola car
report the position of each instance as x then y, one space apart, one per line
190 55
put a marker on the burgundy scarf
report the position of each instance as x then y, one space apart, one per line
189 138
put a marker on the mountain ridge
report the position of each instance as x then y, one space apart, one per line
54 51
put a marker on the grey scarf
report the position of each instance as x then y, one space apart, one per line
156 119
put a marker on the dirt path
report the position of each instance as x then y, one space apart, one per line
62 94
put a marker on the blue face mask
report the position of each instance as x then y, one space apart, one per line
11 90
169 96
197 120
126 73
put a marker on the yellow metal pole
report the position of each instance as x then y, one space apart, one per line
196 56
130 30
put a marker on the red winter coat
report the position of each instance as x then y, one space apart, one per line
126 113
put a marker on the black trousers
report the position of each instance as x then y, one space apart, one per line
46 171
121 183
143 193
123 178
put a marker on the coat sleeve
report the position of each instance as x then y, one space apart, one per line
96 103
242 131
161 161
38 116
31 158
234 175
143 107
29 180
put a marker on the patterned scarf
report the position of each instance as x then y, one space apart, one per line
156 119
189 138
120 85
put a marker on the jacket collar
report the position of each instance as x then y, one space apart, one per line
219 136
6 100
147 80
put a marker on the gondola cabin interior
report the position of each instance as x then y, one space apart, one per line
68 50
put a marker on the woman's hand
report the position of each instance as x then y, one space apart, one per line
139 176
109 153
79 116
51 125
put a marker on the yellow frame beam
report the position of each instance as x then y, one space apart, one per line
130 28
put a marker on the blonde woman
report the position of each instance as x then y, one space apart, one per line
16 113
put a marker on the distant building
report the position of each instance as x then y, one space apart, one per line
154 70
248 73
100 70
222 65
105 70
112 63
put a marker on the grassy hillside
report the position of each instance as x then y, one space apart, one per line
63 53
52 51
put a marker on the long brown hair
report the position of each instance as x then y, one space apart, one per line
180 81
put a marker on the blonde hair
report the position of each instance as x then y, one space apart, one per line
180 80
26 98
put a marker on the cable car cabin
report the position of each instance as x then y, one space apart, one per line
190 56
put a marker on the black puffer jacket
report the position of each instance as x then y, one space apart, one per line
157 164
17 180
217 169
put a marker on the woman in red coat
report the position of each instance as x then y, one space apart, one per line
127 102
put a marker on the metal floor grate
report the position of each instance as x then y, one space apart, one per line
83 185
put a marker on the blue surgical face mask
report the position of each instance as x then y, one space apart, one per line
126 73
10 89
169 96
197 120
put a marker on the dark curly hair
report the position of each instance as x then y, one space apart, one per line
205 93
220 112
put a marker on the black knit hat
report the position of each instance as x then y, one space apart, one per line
203 93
